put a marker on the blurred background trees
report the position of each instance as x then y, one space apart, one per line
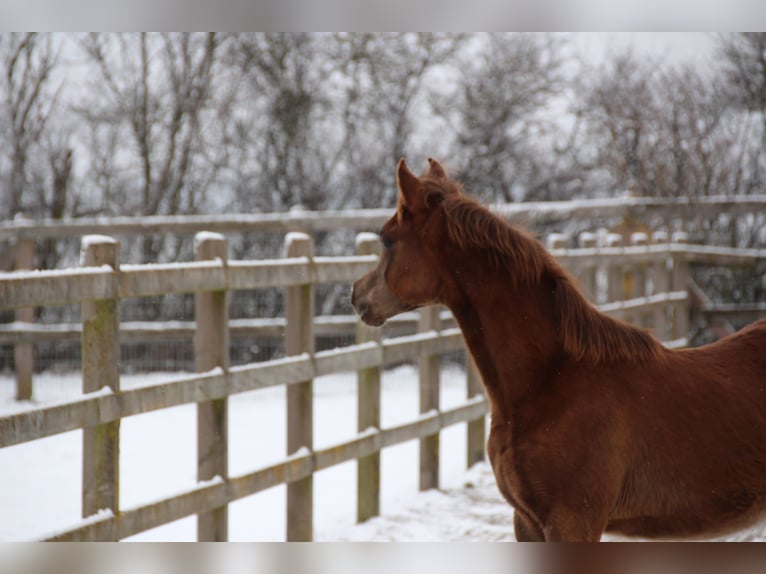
149 124
144 124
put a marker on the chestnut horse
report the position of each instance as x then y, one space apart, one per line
595 425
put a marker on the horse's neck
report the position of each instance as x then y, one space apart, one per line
509 331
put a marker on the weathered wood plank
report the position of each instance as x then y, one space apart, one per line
205 497
342 269
576 259
211 350
361 447
410 346
103 408
350 358
47 288
299 338
164 279
644 304
269 273
472 409
135 520
426 424
189 224
100 357
294 468
42 422
724 256
736 311
368 383
286 371
142 331
23 352
372 219
428 394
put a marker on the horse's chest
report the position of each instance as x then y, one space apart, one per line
504 465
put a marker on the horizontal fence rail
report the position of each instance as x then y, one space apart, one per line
103 406
361 219
48 288
642 283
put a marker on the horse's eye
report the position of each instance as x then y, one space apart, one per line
386 241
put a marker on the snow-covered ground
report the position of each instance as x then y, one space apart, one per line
40 481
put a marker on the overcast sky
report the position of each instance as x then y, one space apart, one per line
677 46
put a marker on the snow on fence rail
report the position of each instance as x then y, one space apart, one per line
642 283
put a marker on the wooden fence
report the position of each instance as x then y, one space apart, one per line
544 212
645 283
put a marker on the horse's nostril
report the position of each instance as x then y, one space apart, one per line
362 309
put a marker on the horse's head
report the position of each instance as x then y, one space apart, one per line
410 273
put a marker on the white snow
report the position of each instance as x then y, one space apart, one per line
202 236
293 236
96 239
185 266
40 483
57 273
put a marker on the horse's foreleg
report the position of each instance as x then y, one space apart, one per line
526 529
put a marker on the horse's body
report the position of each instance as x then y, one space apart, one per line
595 425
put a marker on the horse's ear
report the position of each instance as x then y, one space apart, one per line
435 168
407 182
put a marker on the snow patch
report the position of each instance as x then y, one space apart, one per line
40 486
96 239
55 273
302 452
203 236
294 236
217 479
186 266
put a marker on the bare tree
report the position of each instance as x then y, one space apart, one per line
621 111
152 117
742 57
152 95
661 130
27 62
496 115
283 155
387 82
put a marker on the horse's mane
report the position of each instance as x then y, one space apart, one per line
586 333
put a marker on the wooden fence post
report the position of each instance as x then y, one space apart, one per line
615 279
661 284
100 358
299 338
476 430
429 400
211 350
638 274
23 353
368 405
587 275
680 282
